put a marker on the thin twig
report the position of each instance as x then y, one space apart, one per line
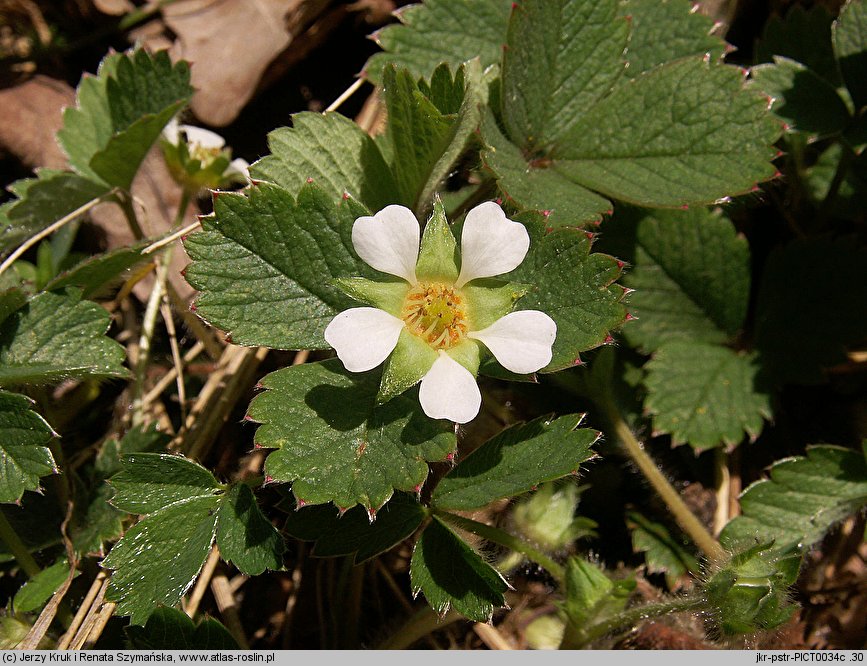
33 240
95 589
91 618
345 95
202 583
491 637
228 609
167 379
171 238
177 362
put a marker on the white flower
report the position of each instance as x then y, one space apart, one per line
438 310
205 145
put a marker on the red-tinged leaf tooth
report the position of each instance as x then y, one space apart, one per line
193 307
346 196
269 478
341 510
620 263
599 435
770 101
18 502
578 362
515 6
630 317
255 182
626 290
716 27
755 188
706 58
505 47
534 487
183 271
780 153
417 489
309 180
229 338
216 194
777 174
745 72
609 340
786 126
694 8
498 201
685 207
729 48
299 503
589 234
371 515
610 211
450 458
247 417
259 386
546 214
548 230
257 446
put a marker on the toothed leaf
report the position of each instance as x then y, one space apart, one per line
704 394
24 454
516 461
850 47
171 629
358 454
662 552
450 574
803 35
246 538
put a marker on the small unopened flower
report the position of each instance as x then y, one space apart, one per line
198 158
429 325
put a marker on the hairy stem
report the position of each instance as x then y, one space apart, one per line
19 551
503 538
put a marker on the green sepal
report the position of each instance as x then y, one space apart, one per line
408 363
468 354
437 258
490 299
385 295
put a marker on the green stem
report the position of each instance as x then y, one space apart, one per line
126 205
424 622
143 14
840 174
19 551
575 638
496 535
681 512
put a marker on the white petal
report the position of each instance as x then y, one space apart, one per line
491 243
240 167
388 241
205 138
449 391
171 131
521 341
363 337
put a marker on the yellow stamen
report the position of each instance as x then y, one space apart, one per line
436 313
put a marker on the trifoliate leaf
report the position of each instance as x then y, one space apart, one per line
265 261
705 394
335 443
353 531
803 35
686 132
806 101
171 629
574 287
450 574
149 482
332 150
562 56
57 336
160 556
808 308
803 498
691 275
24 454
516 461
245 537
96 273
43 201
665 30
662 552
36 592
442 31
121 112
850 47
534 186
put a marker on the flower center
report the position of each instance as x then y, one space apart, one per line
436 313
203 154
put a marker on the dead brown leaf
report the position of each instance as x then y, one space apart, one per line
230 44
32 114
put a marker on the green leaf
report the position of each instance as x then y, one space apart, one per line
264 264
662 553
850 47
803 35
36 592
691 275
442 31
705 394
807 310
24 452
171 629
450 574
851 199
149 482
332 150
686 132
121 112
420 135
666 30
245 537
45 200
803 498
338 533
562 56
335 443
574 287
806 101
160 556
516 461
95 273
57 336
534 186
591 595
